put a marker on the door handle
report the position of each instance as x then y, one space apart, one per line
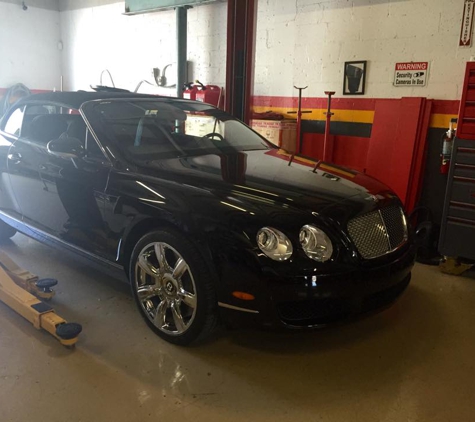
15 157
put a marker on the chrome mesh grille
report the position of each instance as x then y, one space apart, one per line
378 232
395 223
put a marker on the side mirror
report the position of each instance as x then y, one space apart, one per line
66 148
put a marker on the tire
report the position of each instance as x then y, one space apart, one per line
175 295
6 231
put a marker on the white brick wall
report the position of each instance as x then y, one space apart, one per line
102 37
29 47
301 42
306 42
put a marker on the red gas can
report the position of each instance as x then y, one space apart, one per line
210 94
190 91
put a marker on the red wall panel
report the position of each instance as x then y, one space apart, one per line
383 139
350 151
394 142
312 145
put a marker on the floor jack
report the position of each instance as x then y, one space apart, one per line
21 290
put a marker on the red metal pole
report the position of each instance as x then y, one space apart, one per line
241 34
327 150
299 113
299 123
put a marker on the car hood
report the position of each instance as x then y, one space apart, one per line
272 176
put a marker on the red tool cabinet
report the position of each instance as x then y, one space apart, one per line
466 121
457 237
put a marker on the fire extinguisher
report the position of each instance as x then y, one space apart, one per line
447 146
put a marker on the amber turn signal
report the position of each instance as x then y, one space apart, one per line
243 296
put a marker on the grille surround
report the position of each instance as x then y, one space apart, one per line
323 311
378 232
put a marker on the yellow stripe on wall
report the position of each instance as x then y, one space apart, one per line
354 116
441 120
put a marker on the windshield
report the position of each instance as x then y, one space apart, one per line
163 128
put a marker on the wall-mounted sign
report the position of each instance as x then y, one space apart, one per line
133 7
411 74
467 24
354 78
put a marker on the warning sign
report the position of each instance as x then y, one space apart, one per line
411 74
467 24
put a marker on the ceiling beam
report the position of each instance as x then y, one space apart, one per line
40 4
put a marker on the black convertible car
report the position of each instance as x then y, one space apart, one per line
209 221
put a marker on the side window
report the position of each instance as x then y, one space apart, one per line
46 122
37 109
14 122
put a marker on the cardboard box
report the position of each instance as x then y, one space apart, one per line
282 133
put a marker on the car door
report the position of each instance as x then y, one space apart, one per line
61 196
9 132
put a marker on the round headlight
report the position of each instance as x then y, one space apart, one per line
316 244
275 244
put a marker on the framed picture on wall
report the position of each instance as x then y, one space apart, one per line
354 79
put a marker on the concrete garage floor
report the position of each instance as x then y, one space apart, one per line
413 362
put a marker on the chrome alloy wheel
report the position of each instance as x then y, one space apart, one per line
165 288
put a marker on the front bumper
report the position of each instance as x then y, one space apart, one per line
314 301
